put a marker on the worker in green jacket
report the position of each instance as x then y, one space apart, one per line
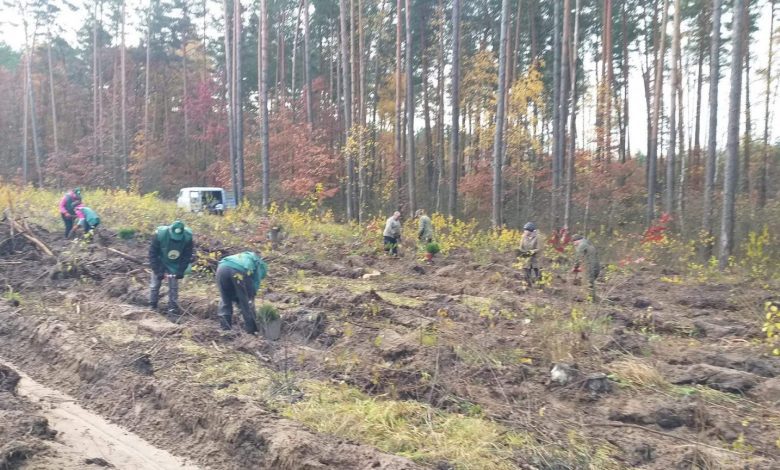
425 231
170 255
587 254
238 279
86 219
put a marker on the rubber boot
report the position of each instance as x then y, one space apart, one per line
226 322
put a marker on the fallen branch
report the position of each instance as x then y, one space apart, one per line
26 233
126 256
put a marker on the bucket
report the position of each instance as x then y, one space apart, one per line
272 330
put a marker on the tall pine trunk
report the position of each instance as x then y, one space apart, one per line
563 102
398 118
429 170
732 143
238 113
440 108
361 112
762 185
671 156
712 141
556 115
410 157
95 87
652 154
25 120
347 84
306 59
262 76
147 77
697 116
123 97
498 142
52 99
567 207
455 131
744 186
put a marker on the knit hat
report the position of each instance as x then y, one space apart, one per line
176 230
577 237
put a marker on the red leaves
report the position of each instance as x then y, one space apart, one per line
656 233
559 239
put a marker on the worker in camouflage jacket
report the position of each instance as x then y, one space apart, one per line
529 251
425 227
392 233
586 254
170 255
238 279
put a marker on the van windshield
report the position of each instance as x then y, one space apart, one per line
211 199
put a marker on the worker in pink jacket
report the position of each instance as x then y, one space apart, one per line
68 204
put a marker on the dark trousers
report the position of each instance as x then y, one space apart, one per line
391 245
173 292
68 224
235 286
87 228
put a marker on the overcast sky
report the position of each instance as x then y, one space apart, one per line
11 33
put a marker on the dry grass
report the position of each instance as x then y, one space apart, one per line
120 333
637 372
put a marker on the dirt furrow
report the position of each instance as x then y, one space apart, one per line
215 433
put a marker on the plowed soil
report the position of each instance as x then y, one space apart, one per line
660 373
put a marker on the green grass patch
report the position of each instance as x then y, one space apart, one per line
476 303
403 428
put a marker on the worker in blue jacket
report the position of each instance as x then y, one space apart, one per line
238 279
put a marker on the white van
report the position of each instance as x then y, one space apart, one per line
203 199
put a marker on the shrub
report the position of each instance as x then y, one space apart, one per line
267 313
432 248
126 233
772 326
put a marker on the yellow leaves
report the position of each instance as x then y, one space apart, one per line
480 80
772 326
757 260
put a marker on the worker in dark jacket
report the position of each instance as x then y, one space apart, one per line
169 255
238 279
68 204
